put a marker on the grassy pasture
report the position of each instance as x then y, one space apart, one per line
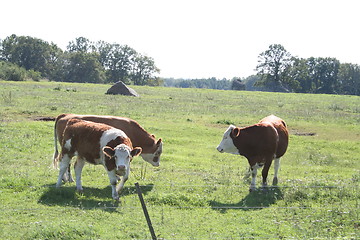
196 193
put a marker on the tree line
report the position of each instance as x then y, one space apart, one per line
82 61
278 70
24 57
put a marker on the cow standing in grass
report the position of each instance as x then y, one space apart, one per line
151 148
96 144
260 144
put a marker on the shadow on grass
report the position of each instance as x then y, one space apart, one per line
255 200
91 198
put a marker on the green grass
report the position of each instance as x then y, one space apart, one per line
196 193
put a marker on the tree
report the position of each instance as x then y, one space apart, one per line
80 44
120 62
30 53
349 79
324 75
299 71
272 67
143 70
80 67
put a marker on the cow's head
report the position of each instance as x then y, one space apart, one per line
154 158
227 144
120 157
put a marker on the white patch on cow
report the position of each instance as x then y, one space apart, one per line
78 170
122 159
227 144
276 170
253 176
109 135
64 163
106 137
67 144
150 157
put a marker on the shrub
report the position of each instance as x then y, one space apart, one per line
12 72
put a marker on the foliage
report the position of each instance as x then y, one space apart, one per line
30 53
84 61
9 71
12 72
210 83
196 193
278 71
271 68
348 77
81 67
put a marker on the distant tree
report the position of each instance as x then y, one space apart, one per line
143 70
120 62
237 84
80 44
81 67
12 72
272 66
104 50
30 53
300 73
325 75
349 79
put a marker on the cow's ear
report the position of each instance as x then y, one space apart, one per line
108 151
159 141
153 135
136 151
235 132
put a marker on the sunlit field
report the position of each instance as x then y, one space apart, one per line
197 192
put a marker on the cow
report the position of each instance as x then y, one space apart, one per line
151 148
260 144
96 143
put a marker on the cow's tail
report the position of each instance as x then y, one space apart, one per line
56 151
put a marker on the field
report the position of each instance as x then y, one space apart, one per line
196 193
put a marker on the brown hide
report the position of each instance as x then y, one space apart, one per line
282 131
138 135
85 140
258 143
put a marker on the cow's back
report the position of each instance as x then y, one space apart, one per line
85 138
283 133
128 126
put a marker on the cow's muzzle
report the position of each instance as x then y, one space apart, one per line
120 169
220 149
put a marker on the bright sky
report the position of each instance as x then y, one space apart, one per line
195 38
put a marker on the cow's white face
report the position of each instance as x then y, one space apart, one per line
154 158
122 154
227 144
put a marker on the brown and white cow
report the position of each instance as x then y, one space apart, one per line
260 144
151 148
96 144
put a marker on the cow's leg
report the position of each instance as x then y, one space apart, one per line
276 170
79 164
265 172
64 163
253 177
67 177
113 181
123 180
